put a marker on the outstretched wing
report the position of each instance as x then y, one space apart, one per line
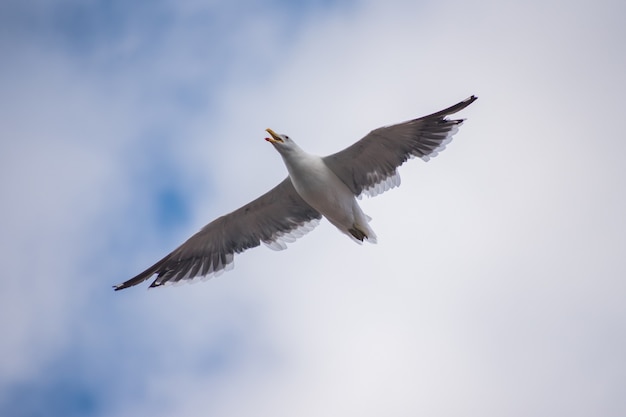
370 165
278 216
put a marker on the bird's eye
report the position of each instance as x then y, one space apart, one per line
286 137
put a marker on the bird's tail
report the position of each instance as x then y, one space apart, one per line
362 232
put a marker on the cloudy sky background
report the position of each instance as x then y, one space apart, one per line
497 286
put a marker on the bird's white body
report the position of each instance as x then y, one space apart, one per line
326 193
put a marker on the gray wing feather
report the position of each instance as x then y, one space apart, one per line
370 165
277 216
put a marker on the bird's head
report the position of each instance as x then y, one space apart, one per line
282 143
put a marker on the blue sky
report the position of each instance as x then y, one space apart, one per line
497 284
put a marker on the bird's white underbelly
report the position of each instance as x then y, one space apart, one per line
325 192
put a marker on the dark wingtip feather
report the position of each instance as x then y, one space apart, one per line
452 109
142 276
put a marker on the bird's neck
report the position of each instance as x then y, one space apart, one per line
298 161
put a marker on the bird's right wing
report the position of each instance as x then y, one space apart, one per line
278 216
370 165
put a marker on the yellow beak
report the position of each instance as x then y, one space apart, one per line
274 136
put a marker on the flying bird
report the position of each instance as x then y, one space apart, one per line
316 187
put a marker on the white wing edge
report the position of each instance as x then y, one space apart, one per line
381 183
280 240
443 144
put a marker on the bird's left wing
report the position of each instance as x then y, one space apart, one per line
370 165
278 216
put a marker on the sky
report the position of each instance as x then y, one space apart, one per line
496 287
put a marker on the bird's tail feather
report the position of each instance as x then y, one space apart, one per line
361 233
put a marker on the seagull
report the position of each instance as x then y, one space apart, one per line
316 187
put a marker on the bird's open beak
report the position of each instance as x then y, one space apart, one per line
274 136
